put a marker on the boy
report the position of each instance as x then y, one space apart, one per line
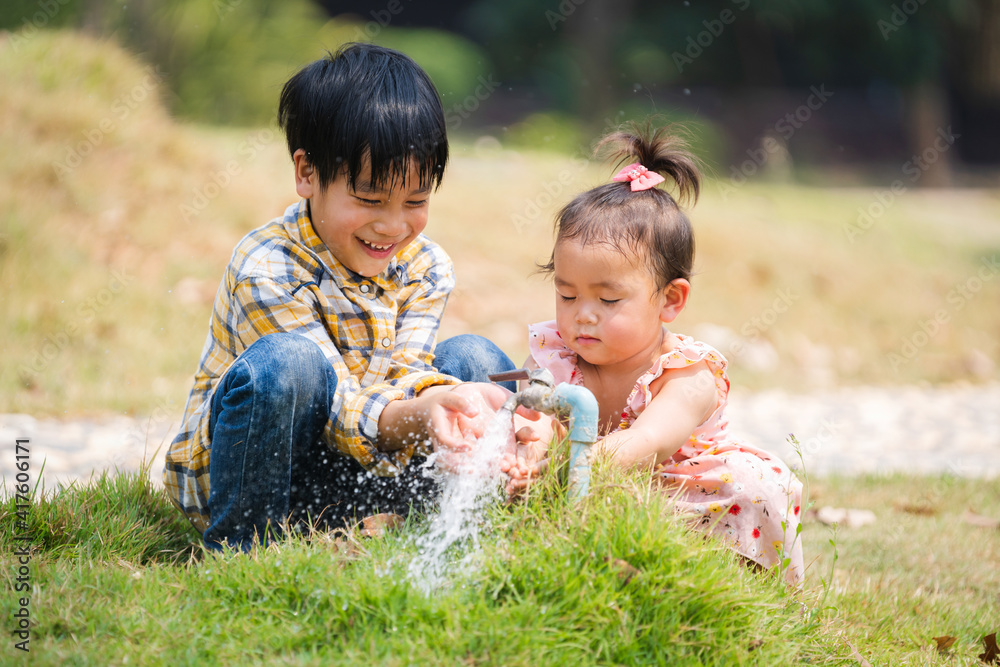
319 386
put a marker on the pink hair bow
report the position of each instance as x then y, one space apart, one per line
642 178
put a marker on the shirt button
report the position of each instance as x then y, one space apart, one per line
386 342
364 288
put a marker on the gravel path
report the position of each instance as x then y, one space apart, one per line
63 451
856 430
953 429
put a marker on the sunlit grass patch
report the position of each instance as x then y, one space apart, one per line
116 517
921 571
612 580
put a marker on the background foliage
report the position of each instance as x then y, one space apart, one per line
568 68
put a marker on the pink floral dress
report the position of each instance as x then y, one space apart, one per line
742 494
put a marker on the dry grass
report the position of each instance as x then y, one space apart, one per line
922 570
78 341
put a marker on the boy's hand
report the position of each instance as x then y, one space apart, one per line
456 417
451 417
459 416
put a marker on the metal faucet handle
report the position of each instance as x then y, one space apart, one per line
533 375
519 374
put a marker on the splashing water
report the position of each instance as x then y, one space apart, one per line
466 493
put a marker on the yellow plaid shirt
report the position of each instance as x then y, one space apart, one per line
378 334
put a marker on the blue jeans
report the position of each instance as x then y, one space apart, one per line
268 460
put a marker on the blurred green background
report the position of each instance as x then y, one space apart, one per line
553 73
845 237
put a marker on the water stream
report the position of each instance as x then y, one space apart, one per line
451 540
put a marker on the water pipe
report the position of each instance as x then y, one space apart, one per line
564 401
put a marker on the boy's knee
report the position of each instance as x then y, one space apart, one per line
286 365
471 358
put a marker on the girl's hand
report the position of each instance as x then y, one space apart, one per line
539 432
528 460
522 474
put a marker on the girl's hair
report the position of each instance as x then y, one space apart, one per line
363 105
647 224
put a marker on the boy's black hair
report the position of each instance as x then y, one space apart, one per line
365 104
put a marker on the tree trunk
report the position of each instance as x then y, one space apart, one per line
592 37
928 119
984 68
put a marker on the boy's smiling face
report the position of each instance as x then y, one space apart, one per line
363 228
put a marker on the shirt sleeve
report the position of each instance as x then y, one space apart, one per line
266 306
417 325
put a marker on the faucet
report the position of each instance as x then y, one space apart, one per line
563 401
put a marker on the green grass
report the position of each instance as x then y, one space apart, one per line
116 517
117 575
921 571
549 588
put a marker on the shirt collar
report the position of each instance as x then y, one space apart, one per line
342 275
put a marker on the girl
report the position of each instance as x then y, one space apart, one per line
621 267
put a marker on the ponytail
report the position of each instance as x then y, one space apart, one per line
644 221
661 150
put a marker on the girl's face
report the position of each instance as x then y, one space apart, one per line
608 309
